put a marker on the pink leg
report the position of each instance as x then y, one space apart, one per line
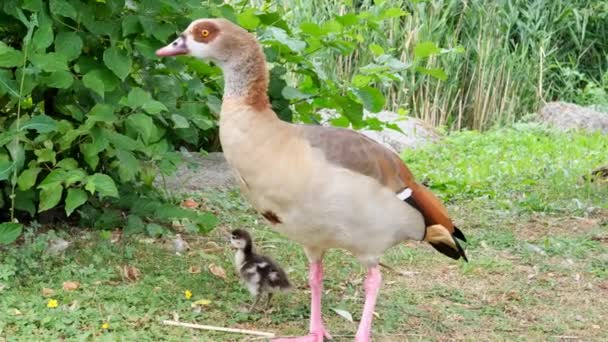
372 287
317 330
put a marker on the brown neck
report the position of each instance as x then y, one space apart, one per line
246 79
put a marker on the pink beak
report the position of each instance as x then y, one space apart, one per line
176 48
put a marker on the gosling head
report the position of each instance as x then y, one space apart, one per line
240 239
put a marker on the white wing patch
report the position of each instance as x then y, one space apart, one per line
406 193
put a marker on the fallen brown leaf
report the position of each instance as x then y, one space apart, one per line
71 285
46 292
194 270
131 273
116 236
189 204
217 271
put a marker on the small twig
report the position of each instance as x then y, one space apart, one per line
214 328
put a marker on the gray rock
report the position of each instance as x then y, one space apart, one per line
200 173
569 116
416 133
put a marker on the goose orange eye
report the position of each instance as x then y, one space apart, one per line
204 33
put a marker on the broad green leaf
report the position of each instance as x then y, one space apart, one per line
32 5
67 163
9 57
74 199
130 25
68 44
43 37
6 137
60 79
248 20
154 107
123 142
92 82
437 73
361 80
9 232
40 123
393 12
372 98
101 184
425 49
291 93
101 112
90 154
154 229
53 178
352 110
144 125
50 196
332 26
63 8
179 121
135 225
27 178
311 29
274 33
348 19
45 155
26 201
117 61
6 169
137 98
50 62
377 50
128 165
74 176
206 222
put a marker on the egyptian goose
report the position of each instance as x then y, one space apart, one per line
260 273
321 187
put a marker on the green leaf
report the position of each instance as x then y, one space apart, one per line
128 165
60 79
311 29
372 98
63 8
45 155
6 168
68 44
154 107
92 82
117 61
348 19
67 164
74 176
291 93
102 184
282 37
50 196
130 25
144 125
134 225
425 49
91 155
437 73
179 121
377 50
248 20
27 178
9 232
32 5
74 199
206 222
137 98
40 123
9 57
26 201
53 178
43 37
393 12
154 229
101 112
124 142
50 62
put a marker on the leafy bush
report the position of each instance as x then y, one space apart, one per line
90 113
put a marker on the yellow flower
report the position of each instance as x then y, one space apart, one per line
188 294
52 303
105 326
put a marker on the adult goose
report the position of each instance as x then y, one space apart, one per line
321 187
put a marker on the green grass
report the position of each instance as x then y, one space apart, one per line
536 272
